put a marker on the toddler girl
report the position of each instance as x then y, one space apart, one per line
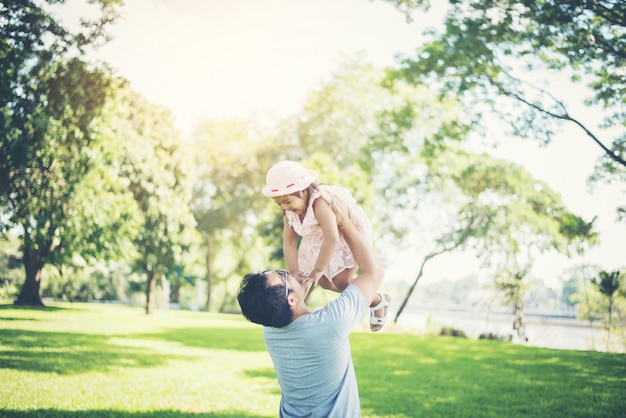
323 255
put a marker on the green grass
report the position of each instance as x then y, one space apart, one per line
92 360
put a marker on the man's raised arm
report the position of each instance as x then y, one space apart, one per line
370 269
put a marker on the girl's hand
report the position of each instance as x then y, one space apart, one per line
315 276
303 278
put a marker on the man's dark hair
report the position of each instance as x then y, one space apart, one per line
262 304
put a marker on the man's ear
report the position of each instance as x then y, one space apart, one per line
292 300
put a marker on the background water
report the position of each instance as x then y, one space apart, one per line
542 330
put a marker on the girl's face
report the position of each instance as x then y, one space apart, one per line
294 202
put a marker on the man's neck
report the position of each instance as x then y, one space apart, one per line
300 310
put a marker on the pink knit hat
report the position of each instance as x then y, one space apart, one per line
287 177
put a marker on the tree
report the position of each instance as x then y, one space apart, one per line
488 49
571 286
514 289
226 198
11 266
49 99
157 169
446 243
500 212
101 219
526 218
374 140
608 283
593 302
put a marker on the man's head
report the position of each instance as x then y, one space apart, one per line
263 298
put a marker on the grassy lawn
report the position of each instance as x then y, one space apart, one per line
94 360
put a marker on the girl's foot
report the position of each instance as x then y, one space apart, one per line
378 313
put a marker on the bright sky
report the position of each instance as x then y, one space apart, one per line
209 59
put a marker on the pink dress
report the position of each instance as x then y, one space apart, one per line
312 237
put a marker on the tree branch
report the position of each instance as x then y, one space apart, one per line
564 116
467 232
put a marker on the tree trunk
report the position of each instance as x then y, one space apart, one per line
209 273
519 324
517 297
150 285
610 324
466 232
30 294
408 294
165 285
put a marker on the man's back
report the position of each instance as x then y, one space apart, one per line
313 361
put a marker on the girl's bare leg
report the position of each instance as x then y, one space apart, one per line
344 278
339 282
327 284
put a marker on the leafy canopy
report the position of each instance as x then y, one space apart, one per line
491 49
50 98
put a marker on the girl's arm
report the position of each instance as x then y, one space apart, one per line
290 246
328 222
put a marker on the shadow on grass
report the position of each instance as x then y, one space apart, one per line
66 353
404 375
70 353
19 308
267 373
9 318
104 413
213 338
32 308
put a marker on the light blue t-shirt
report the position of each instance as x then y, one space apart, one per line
313 360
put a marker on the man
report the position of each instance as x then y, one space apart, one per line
311 350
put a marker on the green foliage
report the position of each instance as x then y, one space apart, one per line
570 288
83 283
488 49
228 172
338 133
411 157
157 170
601 296
503 213
508 211
49 101
101 217
374 141
230 160
97 360
11 267
607 282
578 231
589 303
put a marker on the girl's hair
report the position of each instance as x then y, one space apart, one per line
263 304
